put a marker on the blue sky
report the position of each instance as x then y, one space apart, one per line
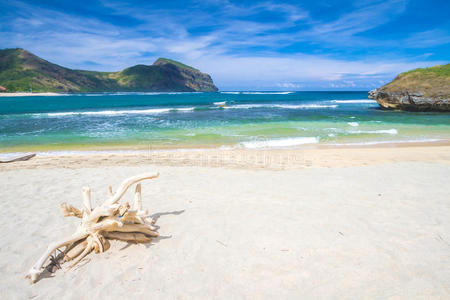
245 45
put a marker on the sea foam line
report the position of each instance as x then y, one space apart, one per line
279 143
9 155
117 112
385 131
354 101
283 106
131 93
388 142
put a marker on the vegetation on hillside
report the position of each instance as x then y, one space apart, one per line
21 70
431 82
163 61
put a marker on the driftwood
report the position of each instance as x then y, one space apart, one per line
21 158
109 221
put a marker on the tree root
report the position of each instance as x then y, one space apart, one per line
110 221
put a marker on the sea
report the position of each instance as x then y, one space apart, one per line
225 120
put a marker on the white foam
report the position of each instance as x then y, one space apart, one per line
282 106
382 131
117 112
9 155
26 94
279 143
388 142
304 106
184 109
132 93
354 124
178 109
306 140
354 101
69 152
245 106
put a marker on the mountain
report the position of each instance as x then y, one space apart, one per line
21 70
417 90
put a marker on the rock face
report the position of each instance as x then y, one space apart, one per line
22 71
414 101
189 77
417 90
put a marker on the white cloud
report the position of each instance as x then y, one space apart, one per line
236 50
289 85
307 70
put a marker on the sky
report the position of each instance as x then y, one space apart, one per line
243 45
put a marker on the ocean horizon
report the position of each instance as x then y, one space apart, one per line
226 119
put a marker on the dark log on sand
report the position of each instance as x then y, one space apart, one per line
21 158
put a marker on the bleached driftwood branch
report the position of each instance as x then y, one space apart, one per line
109 221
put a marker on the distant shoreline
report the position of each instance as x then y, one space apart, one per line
26 94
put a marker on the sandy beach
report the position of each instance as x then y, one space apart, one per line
260 150
361 223
271 159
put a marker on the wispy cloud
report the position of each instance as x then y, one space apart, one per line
262 45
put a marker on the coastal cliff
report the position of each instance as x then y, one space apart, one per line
22 71
417 90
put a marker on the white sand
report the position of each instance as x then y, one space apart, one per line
364 232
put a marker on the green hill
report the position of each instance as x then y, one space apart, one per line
431 82
21 70
419 89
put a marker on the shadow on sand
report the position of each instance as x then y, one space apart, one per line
155 217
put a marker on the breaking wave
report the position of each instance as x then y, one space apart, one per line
279 143
117 112
354 101
283 106
381 131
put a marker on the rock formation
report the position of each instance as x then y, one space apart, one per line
417 90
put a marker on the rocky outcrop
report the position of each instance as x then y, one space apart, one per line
189 77
417 90
410 101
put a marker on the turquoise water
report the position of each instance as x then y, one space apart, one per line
223 119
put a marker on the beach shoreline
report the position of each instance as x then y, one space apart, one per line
88 149
278 159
